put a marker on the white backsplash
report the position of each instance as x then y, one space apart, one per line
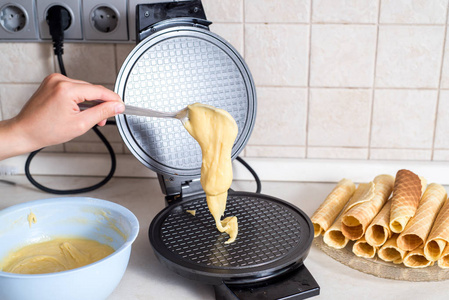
350 79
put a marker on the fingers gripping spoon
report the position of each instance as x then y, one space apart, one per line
182 115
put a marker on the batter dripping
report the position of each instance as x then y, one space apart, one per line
215 130
57 255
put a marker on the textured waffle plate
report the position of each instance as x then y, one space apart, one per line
170 70
380 268
274 237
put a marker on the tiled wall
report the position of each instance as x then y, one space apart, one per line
353 79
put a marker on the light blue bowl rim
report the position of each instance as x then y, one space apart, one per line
77 200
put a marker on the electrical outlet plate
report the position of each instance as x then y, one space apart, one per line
74 32
83 28
105 21
10 13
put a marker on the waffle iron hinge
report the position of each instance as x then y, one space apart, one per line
177 189
154 17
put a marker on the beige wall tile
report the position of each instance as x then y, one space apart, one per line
281 117
25 62
277 54
409 56
442 128
93 63
337 152
275 151
274 11
224 10
14 96
400 154
339 117
342 55
445 70
122 51
232 33
345 11
441 155
413 11
87 147
403 119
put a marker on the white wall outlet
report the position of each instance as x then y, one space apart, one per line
105 21
74 31
17 20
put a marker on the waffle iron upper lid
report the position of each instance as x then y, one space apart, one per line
169 70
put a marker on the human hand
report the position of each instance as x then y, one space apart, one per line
52 115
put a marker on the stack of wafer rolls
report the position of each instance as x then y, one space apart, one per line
439 235
378 232
412 227
356 219
418 228
406 195
332 206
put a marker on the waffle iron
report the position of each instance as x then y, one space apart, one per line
178 61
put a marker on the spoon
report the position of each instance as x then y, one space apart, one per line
182 115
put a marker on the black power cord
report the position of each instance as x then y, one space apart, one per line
59 19
251 170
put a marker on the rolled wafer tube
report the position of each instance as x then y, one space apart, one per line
362 249
356 219
378 232
390 251
439 235
419 226
333 237
443 262
416 259
406 195
328 211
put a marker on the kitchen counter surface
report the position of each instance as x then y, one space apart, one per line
146 278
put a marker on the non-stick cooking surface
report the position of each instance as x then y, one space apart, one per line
170 70
273 236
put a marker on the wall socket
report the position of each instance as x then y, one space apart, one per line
92 20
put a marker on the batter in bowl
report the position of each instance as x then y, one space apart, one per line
56 255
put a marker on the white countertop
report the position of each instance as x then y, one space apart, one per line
146 278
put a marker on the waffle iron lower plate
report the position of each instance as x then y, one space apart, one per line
274 238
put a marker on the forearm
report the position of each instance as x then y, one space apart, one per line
12 140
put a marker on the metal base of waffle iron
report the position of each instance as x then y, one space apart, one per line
274 239
296 285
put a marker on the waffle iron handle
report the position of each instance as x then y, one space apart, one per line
297 285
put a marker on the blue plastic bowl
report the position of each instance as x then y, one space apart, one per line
100 220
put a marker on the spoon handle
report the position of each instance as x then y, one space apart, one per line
130 110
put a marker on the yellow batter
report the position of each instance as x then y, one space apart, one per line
57 255
215 130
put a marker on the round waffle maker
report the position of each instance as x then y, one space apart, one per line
176 62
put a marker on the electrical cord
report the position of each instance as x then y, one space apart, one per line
251 170
59 20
